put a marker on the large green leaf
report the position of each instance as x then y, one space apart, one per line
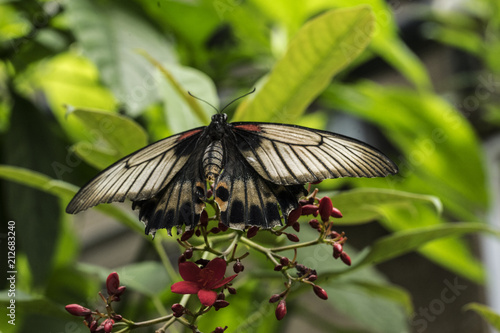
65 191
322 47
385 43
409 240
37 214
452 253
69 79
361 205
110 34
438 145
487 313
110 136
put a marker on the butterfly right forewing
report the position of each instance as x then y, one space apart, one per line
288 154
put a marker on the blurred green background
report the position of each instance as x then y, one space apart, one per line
81 85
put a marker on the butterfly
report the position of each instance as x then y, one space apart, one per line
257 170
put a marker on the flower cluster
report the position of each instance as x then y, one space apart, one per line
207 278
92 318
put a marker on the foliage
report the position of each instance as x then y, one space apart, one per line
115 75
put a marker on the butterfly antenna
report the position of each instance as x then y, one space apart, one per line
234 100
200 99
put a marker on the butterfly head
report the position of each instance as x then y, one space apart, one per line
217 125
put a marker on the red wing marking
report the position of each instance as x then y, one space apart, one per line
188 134
249 127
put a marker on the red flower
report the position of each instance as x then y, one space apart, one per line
202 281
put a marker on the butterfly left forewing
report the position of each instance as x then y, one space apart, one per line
287 154
140 175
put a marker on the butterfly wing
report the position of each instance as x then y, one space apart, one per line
246 199
180 202
140 175
288 154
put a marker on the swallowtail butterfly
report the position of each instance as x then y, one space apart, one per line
257 170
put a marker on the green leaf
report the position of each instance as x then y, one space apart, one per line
487 313
184 112
438 143
110 136
451 253
366 308
149 278
361 205
104 31
408 240
321 48
70 79
38 215
65 191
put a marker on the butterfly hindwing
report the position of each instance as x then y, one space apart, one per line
179 203
246 199
288 154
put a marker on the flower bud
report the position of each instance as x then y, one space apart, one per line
296 226
178 310
312 277
117 317
221 296
281 310
345 258
222 226
294 215
284 261
292 237
219 304
303 202
112 283
336 213
182 258
77 310
93 326
252 231
325 208
320 292
204 218
309 209
188 253
187 234
231 290
210 192
314 224
334 235
337 250
275 298
219 329
301 268
197 233
215 230
238 266
278 268
108 325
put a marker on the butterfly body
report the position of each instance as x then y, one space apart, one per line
257 171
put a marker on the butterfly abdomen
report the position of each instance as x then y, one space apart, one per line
212 160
